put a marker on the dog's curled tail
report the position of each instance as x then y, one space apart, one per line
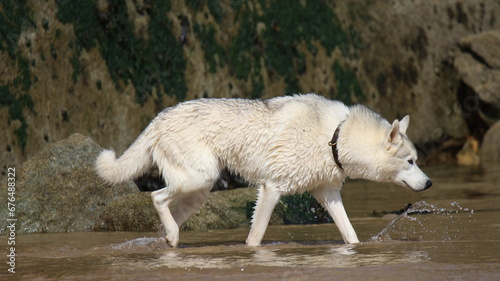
134 162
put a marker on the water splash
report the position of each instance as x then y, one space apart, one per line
151 243
424 221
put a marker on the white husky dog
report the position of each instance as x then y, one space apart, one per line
283 145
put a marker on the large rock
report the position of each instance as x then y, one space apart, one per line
135 212
478 66
224 209
58 190
490 149
131 212
485 46
124 63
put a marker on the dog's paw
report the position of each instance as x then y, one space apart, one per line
172 241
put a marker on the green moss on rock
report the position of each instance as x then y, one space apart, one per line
282 31
214 53
348 88
155 63
16 106
14 18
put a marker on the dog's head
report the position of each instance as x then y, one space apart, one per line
374 149
401 161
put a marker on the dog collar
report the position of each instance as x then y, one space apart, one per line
333 144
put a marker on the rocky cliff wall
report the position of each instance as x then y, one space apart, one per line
105 68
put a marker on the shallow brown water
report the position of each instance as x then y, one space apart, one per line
452 232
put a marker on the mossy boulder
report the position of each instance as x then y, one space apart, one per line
58 191
135 212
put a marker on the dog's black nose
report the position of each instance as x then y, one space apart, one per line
428 184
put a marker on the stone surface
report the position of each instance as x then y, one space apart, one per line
478 66
135 212
490 149
106 70
131 212
484 46
223 209
58 191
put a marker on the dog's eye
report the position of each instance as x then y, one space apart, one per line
410 161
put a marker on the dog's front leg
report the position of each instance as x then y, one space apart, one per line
266 201
329 197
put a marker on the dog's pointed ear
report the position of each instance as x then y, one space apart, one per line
403 124
393 136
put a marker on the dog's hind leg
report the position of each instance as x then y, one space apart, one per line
161 200
266 201
188 205
330 198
